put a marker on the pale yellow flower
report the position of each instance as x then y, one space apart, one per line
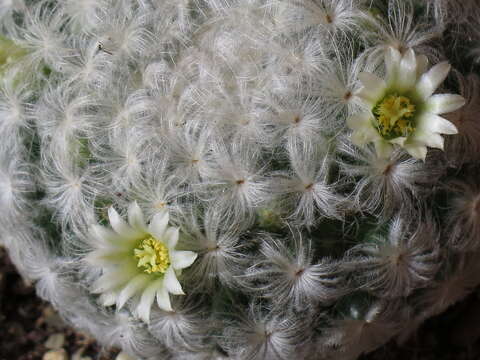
402 110
138 261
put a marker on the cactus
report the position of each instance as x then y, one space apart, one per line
242 179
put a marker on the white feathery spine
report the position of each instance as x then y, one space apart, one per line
231 117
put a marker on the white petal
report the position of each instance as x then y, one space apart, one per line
106 257
103 234
433 140
134 286
433 123
418 151
159 224
109 238
359 121
399 141
182 259
170 237
392 63
407 71
146 300
102 284
431 80
383 148
111 280
422 65
163 299
364 132
365 136
108 299
135 217
373 88
120 226
171 282
444 103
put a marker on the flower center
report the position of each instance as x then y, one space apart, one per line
394 115
152 256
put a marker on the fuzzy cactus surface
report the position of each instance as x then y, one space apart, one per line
242 179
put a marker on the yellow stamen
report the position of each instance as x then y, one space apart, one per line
152 256
394 115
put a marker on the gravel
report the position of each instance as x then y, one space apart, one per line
30 329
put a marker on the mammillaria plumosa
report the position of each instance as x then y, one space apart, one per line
242 179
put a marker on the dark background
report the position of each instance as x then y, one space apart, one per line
26 323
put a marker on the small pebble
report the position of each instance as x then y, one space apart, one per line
55 341
79 355
55 355
51 318
124 356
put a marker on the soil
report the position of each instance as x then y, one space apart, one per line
27 323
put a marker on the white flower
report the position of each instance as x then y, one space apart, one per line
402 109
138 260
